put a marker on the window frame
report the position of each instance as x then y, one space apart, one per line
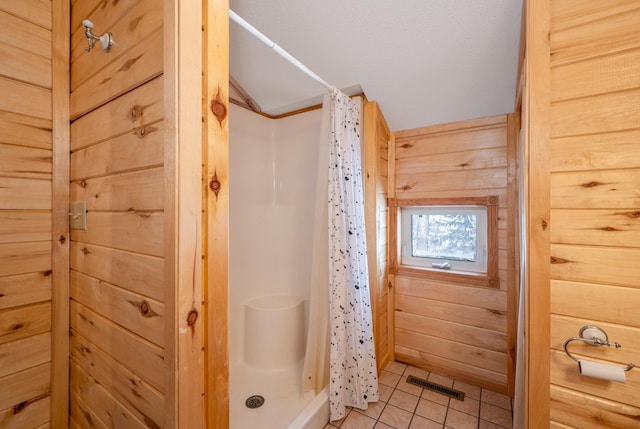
487 279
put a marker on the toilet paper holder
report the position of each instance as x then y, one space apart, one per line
594 336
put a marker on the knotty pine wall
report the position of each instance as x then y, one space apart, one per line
458 329
595 206
117 265
376 165
25 213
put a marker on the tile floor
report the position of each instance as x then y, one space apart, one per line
405 406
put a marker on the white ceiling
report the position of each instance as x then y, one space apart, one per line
424 61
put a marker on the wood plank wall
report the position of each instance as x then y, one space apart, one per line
595 206
457 329
376 163
25 213
118 314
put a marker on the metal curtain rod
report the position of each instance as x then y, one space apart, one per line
284 54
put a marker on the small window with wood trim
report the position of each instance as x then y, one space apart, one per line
453 239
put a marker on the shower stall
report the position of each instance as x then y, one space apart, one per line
273 165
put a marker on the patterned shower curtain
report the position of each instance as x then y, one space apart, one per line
353 379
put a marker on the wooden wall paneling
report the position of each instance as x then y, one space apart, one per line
140 148
25 353
139 190
183 158
139 64
597 189
537 135
21 258
34 11
123 385
30 384
133 231
129 23
20 194
89 398
392 246
18 97
590 301
576 43
139 314
596 152
134 272
141 357
513 256
376 138
25 35
23 289
21 130
25 66
16 161
25 226
129 114
466 159
216 198
37 413
22 322
60 215
595 412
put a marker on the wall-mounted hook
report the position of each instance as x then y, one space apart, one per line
106 40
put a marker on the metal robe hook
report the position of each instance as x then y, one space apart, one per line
106 40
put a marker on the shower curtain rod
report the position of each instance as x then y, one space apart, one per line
284 54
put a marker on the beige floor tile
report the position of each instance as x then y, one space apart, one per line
395 367
381 425
385 392
396 417
404 400
470 391
496 415
329 426
431 410
419 422
469 406
435 397
459 420
356 420
374 410
497 399
389 378
416 372
488 425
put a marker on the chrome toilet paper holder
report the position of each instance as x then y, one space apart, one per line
594 336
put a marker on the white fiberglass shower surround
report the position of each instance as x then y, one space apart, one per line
273 165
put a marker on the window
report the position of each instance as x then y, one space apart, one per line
445 237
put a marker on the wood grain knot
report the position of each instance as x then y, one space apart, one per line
556 260
85 251
192 317
608 229
129 63
142 132
591 184
406 146
47 273
219 110
62 239
215 185
144 308
17 327
134 113
544 225
18 408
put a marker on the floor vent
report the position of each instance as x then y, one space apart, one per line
456 394
254 401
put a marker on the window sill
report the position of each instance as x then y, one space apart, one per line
449 276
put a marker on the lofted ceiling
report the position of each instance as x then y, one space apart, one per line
424 61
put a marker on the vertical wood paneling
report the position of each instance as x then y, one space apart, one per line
376 146
464 159
29 88
216 215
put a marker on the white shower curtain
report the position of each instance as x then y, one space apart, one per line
340 349
352 370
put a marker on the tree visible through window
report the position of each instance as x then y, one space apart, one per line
444 236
